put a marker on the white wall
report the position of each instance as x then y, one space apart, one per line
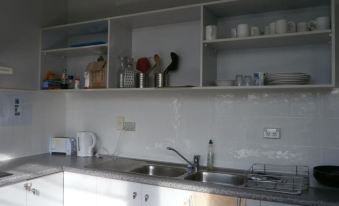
235 121
42 117
20 23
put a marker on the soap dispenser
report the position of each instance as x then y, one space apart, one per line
210 156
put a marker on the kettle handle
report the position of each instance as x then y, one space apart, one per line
94 140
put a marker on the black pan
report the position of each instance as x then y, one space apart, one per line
327 175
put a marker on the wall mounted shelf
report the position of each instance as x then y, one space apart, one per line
289 39
203 62
78 51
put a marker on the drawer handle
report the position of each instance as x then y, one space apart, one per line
146 197
35 192
28 187
134 195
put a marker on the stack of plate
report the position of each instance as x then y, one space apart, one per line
287 78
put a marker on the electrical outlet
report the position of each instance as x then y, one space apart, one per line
120 120
272 133
129 126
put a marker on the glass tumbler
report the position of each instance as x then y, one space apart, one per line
248 81
239 80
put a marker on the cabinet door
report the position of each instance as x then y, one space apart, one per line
161 196
13 195
47 190
118 193
204 199
79 190
263 203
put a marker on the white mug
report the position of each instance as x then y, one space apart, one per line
255 31
281 26
320 23
323 23
302 27
291 27
211 32
243 30
272 27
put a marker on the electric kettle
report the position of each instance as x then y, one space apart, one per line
86 142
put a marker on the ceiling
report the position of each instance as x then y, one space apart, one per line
80 10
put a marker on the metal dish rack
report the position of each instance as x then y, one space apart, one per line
278 178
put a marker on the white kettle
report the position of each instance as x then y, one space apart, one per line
86 144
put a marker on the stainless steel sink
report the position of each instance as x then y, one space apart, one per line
218 178
160 170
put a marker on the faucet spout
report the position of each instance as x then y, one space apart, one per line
194 165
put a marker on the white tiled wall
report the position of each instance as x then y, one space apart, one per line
42 117
235 121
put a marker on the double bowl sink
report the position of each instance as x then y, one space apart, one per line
221 178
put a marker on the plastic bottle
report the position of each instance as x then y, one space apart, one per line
121 72
210 156
64 79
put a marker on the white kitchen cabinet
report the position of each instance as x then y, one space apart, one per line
118 193
79 190
122 193
13 195
87 190
264 203
161 196
47 190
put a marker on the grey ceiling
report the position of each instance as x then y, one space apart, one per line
79 10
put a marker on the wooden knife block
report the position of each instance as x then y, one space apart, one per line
97 74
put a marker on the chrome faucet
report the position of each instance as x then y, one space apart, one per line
195 166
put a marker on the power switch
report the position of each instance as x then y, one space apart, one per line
272 133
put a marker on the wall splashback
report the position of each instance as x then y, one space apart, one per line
42 116
235 121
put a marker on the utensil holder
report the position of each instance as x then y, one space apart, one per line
160 80
141 80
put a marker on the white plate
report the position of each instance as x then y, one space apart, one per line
288 73
291 80
290 83
296 80
287 79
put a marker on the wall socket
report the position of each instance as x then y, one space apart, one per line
272 133
122 125
129 126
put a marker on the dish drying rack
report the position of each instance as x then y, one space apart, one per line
278 178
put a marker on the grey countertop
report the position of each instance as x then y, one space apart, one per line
40 165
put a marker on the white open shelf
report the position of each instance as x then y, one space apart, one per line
160 17
245 7
226 88
269 87
78 51
157 31
289 39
